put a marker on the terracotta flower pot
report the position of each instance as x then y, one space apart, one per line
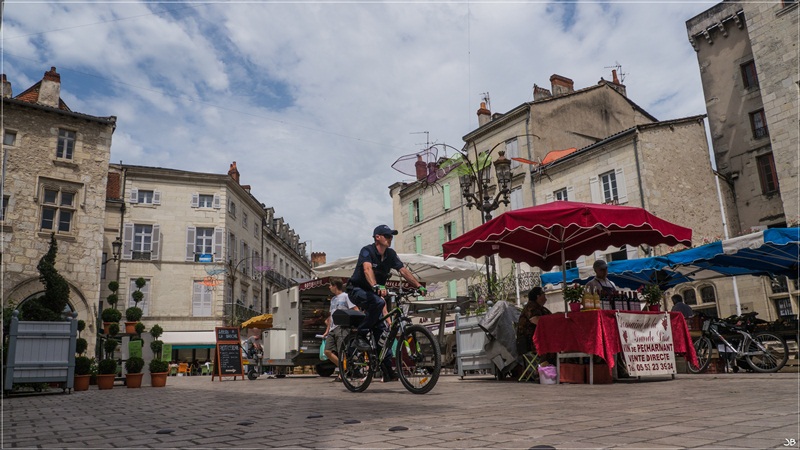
81 383
574 307
158 379
134 380
105 381
130 327
654 307
105 327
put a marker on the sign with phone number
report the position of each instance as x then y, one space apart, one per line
647 343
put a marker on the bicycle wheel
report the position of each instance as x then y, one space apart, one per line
354 366
702 346
767 352
418 360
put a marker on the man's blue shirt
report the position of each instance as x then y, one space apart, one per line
382 268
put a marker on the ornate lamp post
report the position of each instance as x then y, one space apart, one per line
116 246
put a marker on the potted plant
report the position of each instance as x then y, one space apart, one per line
133 369
83 371
574 296
111 314
158 369
139 329
134 313
107 368
651 296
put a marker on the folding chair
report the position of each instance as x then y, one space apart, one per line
531 366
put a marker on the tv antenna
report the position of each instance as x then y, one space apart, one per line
427 137
485 98
618 67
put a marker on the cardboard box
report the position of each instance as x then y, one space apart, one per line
572 373
602 374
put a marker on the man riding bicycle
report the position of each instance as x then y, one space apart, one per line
366 287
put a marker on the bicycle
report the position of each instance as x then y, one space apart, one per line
763 351
418 359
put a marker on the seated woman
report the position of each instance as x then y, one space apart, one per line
528 320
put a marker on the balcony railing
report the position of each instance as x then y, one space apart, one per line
238 313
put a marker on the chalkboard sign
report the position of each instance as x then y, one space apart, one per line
229 353
226 334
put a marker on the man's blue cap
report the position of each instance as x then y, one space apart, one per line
384 229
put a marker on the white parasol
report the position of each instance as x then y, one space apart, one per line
427 268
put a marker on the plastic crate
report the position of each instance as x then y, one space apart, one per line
572 373
602 374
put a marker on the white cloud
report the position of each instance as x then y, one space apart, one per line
316 101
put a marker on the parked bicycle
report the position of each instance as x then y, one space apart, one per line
762 351
418 359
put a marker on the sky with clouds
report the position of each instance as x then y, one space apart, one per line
316 100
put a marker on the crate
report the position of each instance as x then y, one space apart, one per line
602 374
347 318
572 373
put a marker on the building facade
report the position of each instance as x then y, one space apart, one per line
748 59
55 165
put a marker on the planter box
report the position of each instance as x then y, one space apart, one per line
602 374
572 373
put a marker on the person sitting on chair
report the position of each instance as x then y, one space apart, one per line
679 306
528 320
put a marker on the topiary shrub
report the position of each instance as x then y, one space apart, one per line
156 347
133 314
83 365
107 367
111 315
158 366
109 346
139 328
134 364
80 346
113 329
81 326
156 331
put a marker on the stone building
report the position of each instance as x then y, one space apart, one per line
748 58
210 252
55 164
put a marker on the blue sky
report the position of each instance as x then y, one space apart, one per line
315 101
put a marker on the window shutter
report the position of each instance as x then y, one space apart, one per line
411 213
633 251
195 200
452 289
622 191
441 235
154 250
594 187
454 228
243 251
197 298
191 235
446 195
421 218
418 243
219 236
233 248
548 198
156 197
127 241
571 193
217 202
134 198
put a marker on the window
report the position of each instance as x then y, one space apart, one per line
707 294
66 144
201 299
449 231
620 255
144 197
205 201
779 284
759 123
142 241
144 305
749 77
609 184
415 211
243 297
784 306
689 297
571 264
204 242
232 247
10 138
103 266
766 172
245 252
560 194
5 207
516 198
512 151
58 209
244 219
232 209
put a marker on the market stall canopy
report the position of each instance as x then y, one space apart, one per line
263 322
189 339
427 268
770 252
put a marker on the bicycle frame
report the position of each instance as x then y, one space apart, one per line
747 338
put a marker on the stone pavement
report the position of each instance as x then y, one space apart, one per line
697 411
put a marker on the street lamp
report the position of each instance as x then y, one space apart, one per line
116 246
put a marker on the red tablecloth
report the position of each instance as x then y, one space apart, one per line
596 333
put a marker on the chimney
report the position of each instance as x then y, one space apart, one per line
619 87
6 87
540 93
421 168
484 115
561 85
318 258
234 172
50 89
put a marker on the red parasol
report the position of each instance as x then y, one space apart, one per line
549 234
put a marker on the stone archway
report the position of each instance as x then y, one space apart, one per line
32 288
